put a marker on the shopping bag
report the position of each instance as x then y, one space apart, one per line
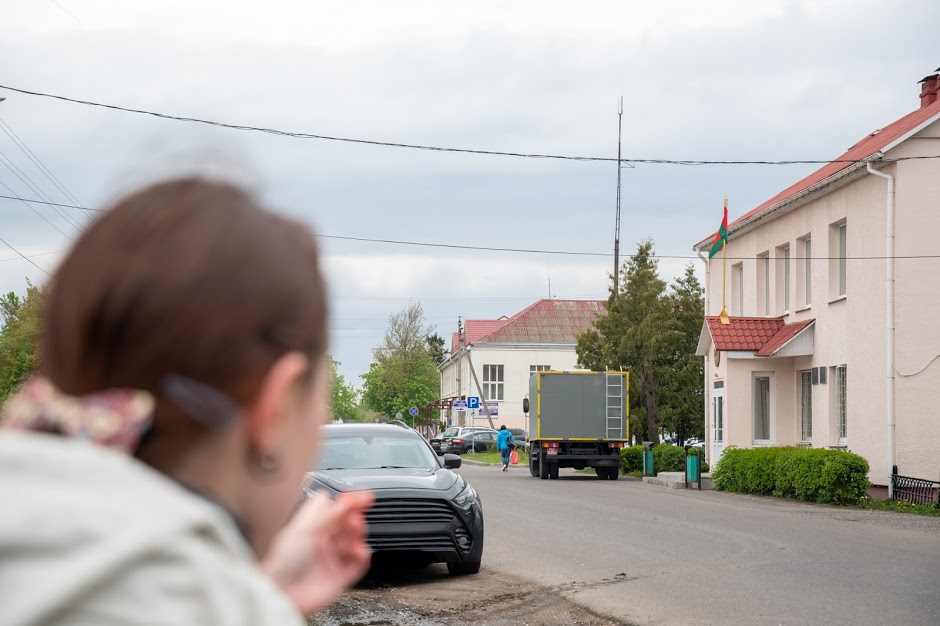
514 458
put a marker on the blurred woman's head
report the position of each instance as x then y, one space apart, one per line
189 290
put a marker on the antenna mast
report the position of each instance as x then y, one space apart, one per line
617 224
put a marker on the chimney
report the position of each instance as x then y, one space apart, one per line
928 89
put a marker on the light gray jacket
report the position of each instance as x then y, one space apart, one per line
90 536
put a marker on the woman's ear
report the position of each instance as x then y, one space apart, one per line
269 409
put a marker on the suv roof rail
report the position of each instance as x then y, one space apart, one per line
399 423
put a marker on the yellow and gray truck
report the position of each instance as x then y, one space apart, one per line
577 419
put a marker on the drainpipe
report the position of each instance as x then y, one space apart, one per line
889 326
705 395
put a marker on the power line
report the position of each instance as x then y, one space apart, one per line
32 156
26 180
30 261
30 207
411 146
33 256
453 246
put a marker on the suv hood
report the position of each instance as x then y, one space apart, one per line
440 479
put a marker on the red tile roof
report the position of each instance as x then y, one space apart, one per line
762 335
868 146
548 321
743 333
780 339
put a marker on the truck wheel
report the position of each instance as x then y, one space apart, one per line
613 473
553 471
601 472
543 468
533 465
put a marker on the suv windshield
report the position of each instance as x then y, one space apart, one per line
351 451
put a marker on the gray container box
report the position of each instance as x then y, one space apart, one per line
579 405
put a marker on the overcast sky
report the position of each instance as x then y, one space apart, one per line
725 79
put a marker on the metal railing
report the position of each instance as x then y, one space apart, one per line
915 490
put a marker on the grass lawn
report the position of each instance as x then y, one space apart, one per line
493 457
899 506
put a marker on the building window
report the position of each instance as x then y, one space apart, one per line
783 279
837 255
763 282
492 382
841 413
718 410
806 404
840 237
737 289
762 409
807 272
539 368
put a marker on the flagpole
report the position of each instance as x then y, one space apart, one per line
724 258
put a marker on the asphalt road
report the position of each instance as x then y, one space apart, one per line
652 555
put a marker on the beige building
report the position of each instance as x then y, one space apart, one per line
504 353
832 287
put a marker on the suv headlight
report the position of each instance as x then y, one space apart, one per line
466 497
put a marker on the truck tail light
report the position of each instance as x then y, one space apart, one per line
549 445
615 444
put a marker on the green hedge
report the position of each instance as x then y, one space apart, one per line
631 459
811 474
666 458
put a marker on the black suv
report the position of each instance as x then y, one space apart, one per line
421 507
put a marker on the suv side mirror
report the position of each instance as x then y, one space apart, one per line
452 461
525 405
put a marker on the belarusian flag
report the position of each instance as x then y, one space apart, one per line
721 237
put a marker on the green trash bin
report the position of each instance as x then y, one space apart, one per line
648 463
693 470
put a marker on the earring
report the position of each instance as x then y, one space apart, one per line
267 464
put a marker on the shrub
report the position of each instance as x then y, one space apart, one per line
631 459
811 474
668 458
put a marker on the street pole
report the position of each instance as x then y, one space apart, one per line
617 222
459 366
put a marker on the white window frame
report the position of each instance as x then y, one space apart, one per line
493 382
770 409
718 413
807 272
840 401
539 368
841 276
806 405
786 279
765 261
737 273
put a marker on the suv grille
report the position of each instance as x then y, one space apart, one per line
417 511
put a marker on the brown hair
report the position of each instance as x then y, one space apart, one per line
184 278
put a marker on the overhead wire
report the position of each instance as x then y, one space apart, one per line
13 167
30 207
32 156
30 261
583 253
413 146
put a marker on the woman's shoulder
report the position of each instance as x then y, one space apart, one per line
134 546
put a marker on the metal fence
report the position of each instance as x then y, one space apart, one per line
915 490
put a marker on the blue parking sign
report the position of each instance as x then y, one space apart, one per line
473 402
413 411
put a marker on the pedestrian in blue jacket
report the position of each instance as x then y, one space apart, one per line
505 444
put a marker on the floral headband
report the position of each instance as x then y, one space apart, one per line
115 418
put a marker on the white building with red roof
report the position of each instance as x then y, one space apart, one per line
505 352
833 339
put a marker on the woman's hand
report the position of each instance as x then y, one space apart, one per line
322 551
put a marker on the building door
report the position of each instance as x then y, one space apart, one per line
806 406
718 420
